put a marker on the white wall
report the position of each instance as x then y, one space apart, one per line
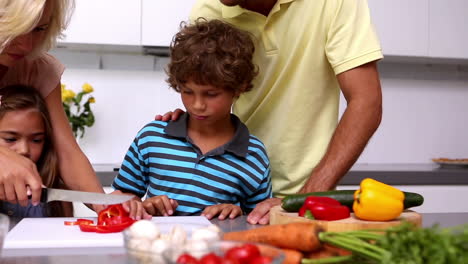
425 106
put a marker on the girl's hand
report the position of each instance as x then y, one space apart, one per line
136 210
160 205
224 210
16 173
170 115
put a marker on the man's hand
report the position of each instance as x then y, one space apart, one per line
170 116
160 205
224 210
261 213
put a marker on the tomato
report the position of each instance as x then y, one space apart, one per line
230 261
187 259
211 258
243 253
261 260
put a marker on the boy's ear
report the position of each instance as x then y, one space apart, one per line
241 89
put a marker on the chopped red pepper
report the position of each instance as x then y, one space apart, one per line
79 222
110 220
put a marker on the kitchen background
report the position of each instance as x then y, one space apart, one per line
424 74
424 79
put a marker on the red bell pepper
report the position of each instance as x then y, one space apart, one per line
311 200
330 212
324 208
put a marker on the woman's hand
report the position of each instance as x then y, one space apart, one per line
170 116
223 210
160 205
16 173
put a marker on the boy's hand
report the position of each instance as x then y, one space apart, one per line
160 205
134 207
224 210
136 210
173 116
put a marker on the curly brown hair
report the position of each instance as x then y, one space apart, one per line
212 53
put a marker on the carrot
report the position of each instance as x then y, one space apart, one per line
327 251
291 256
298 236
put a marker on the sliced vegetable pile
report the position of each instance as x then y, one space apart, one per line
374 201
292 203
110 220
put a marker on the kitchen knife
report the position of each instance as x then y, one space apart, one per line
50 194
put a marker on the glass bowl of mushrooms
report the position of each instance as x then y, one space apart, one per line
148 242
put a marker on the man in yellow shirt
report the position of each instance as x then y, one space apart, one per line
306 50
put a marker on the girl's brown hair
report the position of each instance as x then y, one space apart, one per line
20 97
212 53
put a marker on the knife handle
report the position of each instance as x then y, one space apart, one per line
43 195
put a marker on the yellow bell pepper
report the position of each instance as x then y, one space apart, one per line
377 201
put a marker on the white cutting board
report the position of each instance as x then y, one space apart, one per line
34 233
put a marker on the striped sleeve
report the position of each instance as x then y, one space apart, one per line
133 174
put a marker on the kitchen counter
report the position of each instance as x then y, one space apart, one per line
119 257
394 174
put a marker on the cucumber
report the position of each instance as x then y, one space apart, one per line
292 203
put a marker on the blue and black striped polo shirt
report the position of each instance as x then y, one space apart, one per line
162 160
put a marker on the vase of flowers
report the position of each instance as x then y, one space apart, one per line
77 106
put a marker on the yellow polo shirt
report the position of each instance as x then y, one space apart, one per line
300 47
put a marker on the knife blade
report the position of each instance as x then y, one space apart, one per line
50 194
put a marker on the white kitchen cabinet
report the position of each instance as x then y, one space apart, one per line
161 19
116 22
448 29
402 26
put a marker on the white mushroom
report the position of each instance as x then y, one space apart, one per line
196 248
144 229
208 234
159 246
178 235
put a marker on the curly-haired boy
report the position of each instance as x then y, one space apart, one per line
205 162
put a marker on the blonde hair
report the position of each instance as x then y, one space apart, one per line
18 17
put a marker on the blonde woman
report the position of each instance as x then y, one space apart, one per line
28 28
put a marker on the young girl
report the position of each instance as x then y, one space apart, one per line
26 129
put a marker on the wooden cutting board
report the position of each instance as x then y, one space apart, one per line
279 216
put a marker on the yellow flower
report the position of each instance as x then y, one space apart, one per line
63 86
87 88
92 100
67 95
